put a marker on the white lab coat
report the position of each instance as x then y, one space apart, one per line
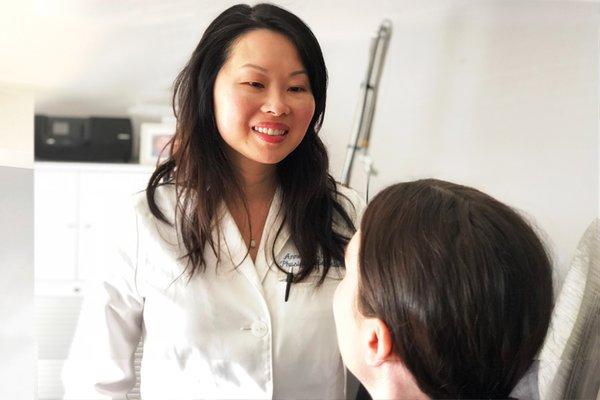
226 334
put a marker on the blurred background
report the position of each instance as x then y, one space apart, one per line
500 95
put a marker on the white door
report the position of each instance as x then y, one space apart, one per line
105 198
55 225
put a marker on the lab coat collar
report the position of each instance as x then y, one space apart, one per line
233 250
271 242
233 247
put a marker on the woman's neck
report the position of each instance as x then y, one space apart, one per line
388 391
258 181
393 381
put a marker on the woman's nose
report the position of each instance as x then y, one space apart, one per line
276 105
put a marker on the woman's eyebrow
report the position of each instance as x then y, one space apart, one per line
248 65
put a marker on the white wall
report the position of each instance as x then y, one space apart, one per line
502 96
16 127
16 245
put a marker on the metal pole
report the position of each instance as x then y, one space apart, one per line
361 135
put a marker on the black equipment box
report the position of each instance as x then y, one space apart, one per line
95 139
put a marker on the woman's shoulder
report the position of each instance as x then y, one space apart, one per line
164 199
148 224
149 227
351 200
350 194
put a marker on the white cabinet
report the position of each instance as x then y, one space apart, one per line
73 203
103 199
55 225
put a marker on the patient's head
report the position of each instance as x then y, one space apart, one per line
447 294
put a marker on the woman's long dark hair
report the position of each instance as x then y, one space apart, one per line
462 282
199 168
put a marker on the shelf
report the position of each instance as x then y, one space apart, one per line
95 166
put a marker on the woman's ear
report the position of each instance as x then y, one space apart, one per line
377 340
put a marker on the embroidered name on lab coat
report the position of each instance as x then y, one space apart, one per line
292 261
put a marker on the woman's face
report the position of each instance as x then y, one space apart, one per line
262 98
347 316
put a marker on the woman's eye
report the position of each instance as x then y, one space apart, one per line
257 85
297 89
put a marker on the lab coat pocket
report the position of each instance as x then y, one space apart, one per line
309 289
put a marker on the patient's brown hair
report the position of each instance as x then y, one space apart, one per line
462 282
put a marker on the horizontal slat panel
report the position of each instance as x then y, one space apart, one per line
48 379
55 322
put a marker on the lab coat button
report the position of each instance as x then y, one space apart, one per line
259 328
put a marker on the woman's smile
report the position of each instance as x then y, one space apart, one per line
271 132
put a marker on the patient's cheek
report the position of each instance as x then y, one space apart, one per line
336 302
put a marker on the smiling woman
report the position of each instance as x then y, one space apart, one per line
262 111
234 252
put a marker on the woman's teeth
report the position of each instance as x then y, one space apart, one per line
269 131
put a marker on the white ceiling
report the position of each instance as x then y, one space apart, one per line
121 57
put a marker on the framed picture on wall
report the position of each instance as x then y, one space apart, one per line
154 141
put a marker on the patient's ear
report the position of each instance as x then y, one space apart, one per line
377 340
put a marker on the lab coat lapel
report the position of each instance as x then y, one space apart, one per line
274 221
234 250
